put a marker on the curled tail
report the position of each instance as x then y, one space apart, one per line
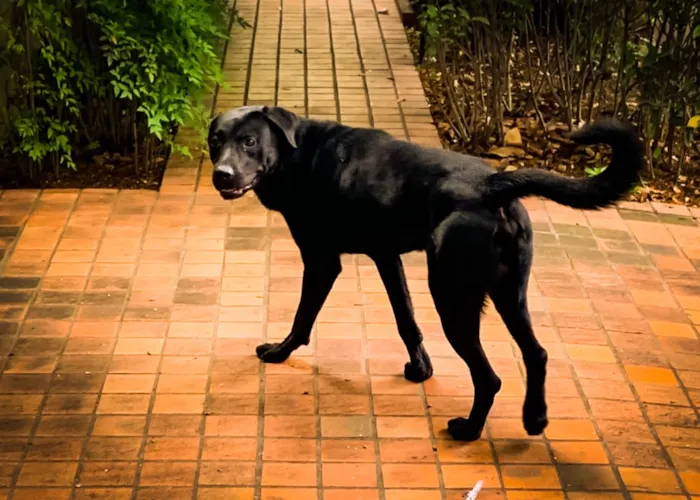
591 193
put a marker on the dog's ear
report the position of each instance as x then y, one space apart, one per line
284 120
213 126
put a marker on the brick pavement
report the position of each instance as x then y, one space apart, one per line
128 322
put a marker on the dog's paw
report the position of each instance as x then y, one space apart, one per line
272 353
535 418
418 372
419 368
462 429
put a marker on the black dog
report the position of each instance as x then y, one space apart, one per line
351 190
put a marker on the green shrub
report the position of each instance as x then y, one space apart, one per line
114 75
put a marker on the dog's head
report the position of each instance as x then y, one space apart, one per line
246 144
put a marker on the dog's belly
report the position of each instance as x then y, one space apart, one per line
377 236
360 226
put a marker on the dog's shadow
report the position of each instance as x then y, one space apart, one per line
515 450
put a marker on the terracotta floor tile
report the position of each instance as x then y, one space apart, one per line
601 354
578 452
352 475
651 375
178 403
216 493
384 404
670 415
227 473
288 474
297 426
167 473
410 476
182 384
282 404
678 436
466 476
598 495
124 403
55 448
145 346
117 425
662 394
171 448
604 409
529 477
70 403
128 383
230 425
290 450
522 452
47 474
347 450
134 364
112 448
419 494
649 480
185 365
107 474
116 493
587 477
402 450
174 425
691 480
571 429
43 493
164 493
621 430
60 425
341 427
402 427
671 329
225 448
447 451
341 404
289 384
638 454
347 494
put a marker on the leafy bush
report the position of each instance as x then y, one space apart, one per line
115 75
568 61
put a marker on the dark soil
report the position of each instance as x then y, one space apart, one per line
101 171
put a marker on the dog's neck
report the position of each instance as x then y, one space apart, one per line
284 186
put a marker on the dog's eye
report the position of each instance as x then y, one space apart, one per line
249 142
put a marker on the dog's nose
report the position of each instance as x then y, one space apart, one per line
223 175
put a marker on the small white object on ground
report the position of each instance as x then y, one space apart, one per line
475 491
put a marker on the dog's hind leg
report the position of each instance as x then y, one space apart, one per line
460 270
509 295
419 367
320 272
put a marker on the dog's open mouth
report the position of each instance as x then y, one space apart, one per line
232 194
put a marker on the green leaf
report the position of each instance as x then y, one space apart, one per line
482 20
696 31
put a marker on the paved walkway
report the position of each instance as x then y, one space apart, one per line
128 322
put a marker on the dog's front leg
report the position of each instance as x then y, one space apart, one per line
419 367
320 272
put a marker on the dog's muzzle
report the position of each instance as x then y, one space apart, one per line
228 183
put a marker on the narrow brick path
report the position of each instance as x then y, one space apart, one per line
128 322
